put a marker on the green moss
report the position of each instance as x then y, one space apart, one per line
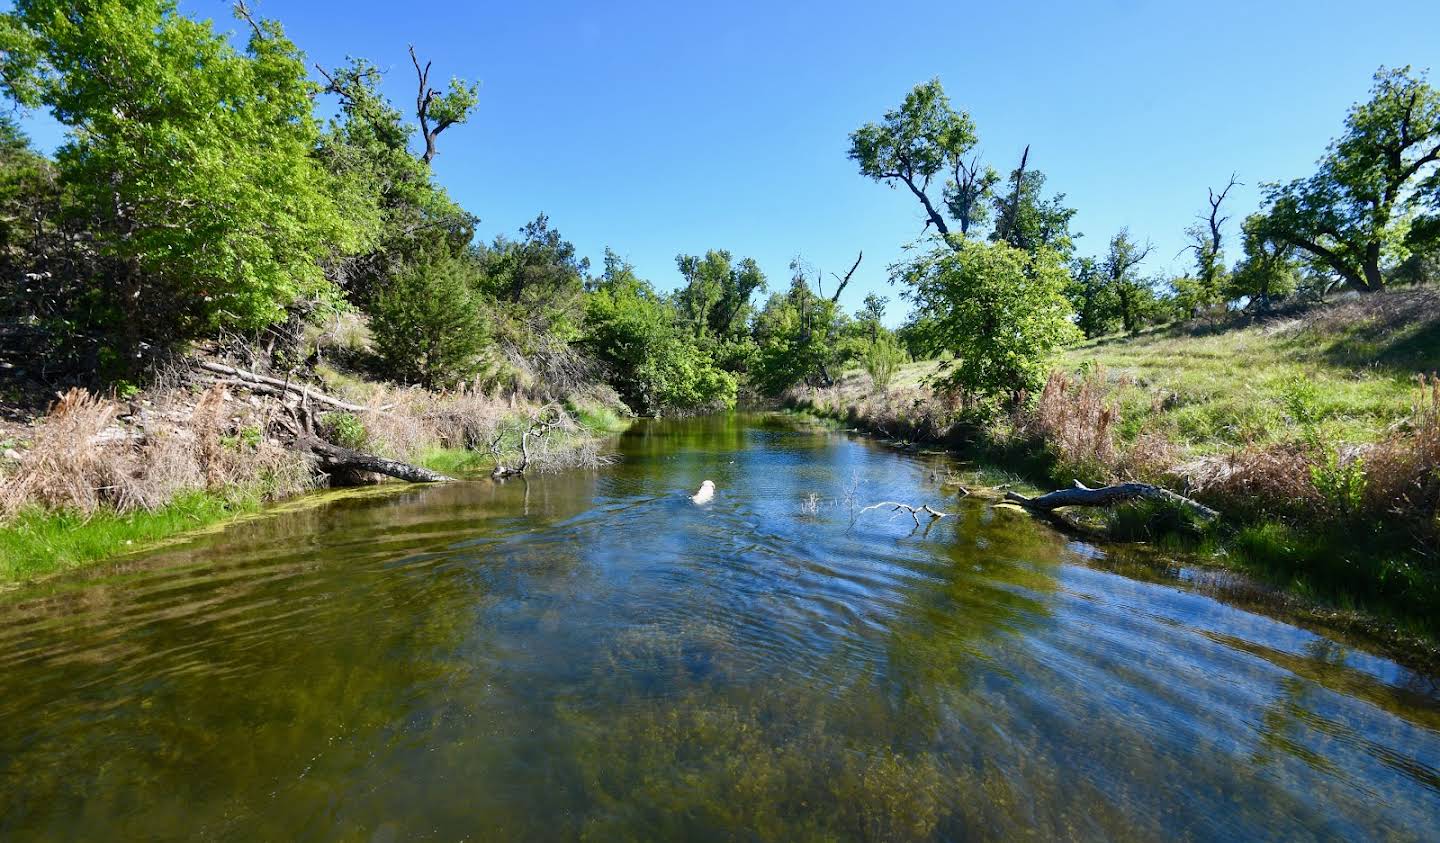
38 543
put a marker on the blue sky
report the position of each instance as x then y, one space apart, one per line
659 128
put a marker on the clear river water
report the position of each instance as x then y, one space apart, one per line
591 656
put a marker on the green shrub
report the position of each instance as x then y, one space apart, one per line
346 430
427 321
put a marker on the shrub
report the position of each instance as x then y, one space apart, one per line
883 358
1001 310
427 322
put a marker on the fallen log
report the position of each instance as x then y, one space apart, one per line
274 386
337 459
1082 495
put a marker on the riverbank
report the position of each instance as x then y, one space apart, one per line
99 477
1312 432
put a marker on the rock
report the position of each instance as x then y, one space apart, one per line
12 454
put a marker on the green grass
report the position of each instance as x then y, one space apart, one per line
456 462
1211 393
38 543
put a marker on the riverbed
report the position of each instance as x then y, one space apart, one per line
592 656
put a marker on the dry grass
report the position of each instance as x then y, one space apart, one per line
1074 420
81 460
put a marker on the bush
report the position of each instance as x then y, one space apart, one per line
1001 310
427 322
882 359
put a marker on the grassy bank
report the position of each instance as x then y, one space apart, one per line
1312 432
37 543
98 477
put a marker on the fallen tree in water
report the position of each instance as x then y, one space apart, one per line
1118 493
335 459
913 510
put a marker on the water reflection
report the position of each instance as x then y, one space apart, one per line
593 657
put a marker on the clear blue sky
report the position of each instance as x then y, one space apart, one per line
659 128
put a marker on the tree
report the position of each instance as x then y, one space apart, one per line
190 160
389 192
1133 293
715 300
922 139
1096 304
1207 242
439 110
871 315
1026 220
536 282
1268 271
652 364
427 321
1000 310
1376 195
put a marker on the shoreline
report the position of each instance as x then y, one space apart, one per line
1398 633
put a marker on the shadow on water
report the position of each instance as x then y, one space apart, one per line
591 656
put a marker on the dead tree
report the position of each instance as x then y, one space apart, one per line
1082 495
540 425
337 460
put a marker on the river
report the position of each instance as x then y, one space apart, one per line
592 656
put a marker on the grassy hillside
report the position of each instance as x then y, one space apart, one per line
1209 388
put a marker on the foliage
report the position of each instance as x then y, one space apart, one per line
1026 220
653 363
1268 272
1376 196
1002 312
345 430
1097 307
1134 296
190 161
883 358
427 321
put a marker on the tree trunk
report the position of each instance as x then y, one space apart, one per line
1374 281
334 458
1082 495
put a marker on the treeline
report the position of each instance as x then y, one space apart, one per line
214 193
997 280
199 197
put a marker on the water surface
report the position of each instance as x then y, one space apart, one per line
591 656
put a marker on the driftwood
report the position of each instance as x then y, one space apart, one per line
541 424
276 387
1082 495
336 459
913 510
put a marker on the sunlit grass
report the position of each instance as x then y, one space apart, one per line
37 543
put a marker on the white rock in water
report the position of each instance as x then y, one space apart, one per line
707 491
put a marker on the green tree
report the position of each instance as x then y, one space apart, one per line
797 334
1027 220
536 282
870 317
1268 272
1133 293
389 192
1097 307
651 362
192 161
1376 196
427 321
1000 310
